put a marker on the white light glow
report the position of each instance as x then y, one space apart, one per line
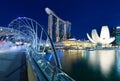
92 58
105 32
48 11
104 36
95 36
106 59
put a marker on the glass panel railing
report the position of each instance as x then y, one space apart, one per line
52 73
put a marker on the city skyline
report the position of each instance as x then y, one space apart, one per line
84 15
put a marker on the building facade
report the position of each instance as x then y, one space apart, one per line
116 33
58 29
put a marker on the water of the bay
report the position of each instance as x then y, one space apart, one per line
97 65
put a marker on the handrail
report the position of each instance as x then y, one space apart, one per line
52 73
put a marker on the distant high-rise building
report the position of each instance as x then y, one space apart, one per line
58 29
116 34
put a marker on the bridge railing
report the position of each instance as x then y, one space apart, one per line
50 72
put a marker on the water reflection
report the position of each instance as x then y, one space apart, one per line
70 57
118 61
93 60
101 65
106 59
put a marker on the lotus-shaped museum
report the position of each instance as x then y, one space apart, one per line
104 37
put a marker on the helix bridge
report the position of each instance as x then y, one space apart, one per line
27 53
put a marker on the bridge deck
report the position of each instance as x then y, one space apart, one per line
13 66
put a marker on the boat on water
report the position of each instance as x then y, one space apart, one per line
90 49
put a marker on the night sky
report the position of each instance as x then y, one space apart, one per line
83 14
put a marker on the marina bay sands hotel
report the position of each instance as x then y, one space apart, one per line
58 29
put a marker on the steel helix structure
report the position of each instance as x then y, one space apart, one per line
37 33
40 43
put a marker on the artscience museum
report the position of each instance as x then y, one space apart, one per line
104 37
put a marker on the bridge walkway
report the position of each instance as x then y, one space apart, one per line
13 66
